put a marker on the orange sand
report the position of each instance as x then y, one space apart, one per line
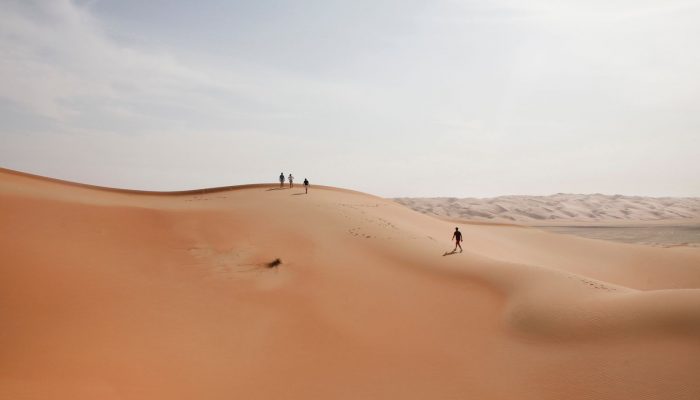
108 294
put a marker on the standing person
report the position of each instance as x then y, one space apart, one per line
306 186
281 180
457 237
291 181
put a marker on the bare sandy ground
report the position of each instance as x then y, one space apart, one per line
109 294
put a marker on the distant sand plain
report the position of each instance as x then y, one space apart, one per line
657 221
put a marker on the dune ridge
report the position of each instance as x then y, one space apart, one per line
9 172
139 295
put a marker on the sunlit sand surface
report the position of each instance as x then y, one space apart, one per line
253 292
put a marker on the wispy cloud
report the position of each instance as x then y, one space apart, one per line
368 91
58 62
55 52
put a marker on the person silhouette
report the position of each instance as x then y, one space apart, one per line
457 237
281 180
291 181
306 186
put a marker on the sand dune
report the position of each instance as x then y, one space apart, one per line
579 208
108 294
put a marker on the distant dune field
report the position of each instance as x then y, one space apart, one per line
256 292
568 208
663 221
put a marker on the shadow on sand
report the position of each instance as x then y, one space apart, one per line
449 253
299 194
267 190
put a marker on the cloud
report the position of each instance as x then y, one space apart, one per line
410 90
86 107
54 51
58 62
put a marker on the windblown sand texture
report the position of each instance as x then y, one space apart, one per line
108 294
579 208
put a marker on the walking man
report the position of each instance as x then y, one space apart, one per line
306 186
281 180
457 237
291 181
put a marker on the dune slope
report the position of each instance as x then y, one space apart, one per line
133 295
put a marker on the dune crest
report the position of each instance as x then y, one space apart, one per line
117 294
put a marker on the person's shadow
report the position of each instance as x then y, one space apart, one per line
449 253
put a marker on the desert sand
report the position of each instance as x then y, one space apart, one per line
112 294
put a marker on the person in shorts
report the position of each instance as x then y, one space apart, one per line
457 237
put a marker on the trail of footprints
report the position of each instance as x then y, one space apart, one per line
199 198
358 231
593 283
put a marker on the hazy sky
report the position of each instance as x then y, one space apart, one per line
395 98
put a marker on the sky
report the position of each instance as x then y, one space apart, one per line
472 98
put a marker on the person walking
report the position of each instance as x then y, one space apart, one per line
291 181
306 186
457 237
